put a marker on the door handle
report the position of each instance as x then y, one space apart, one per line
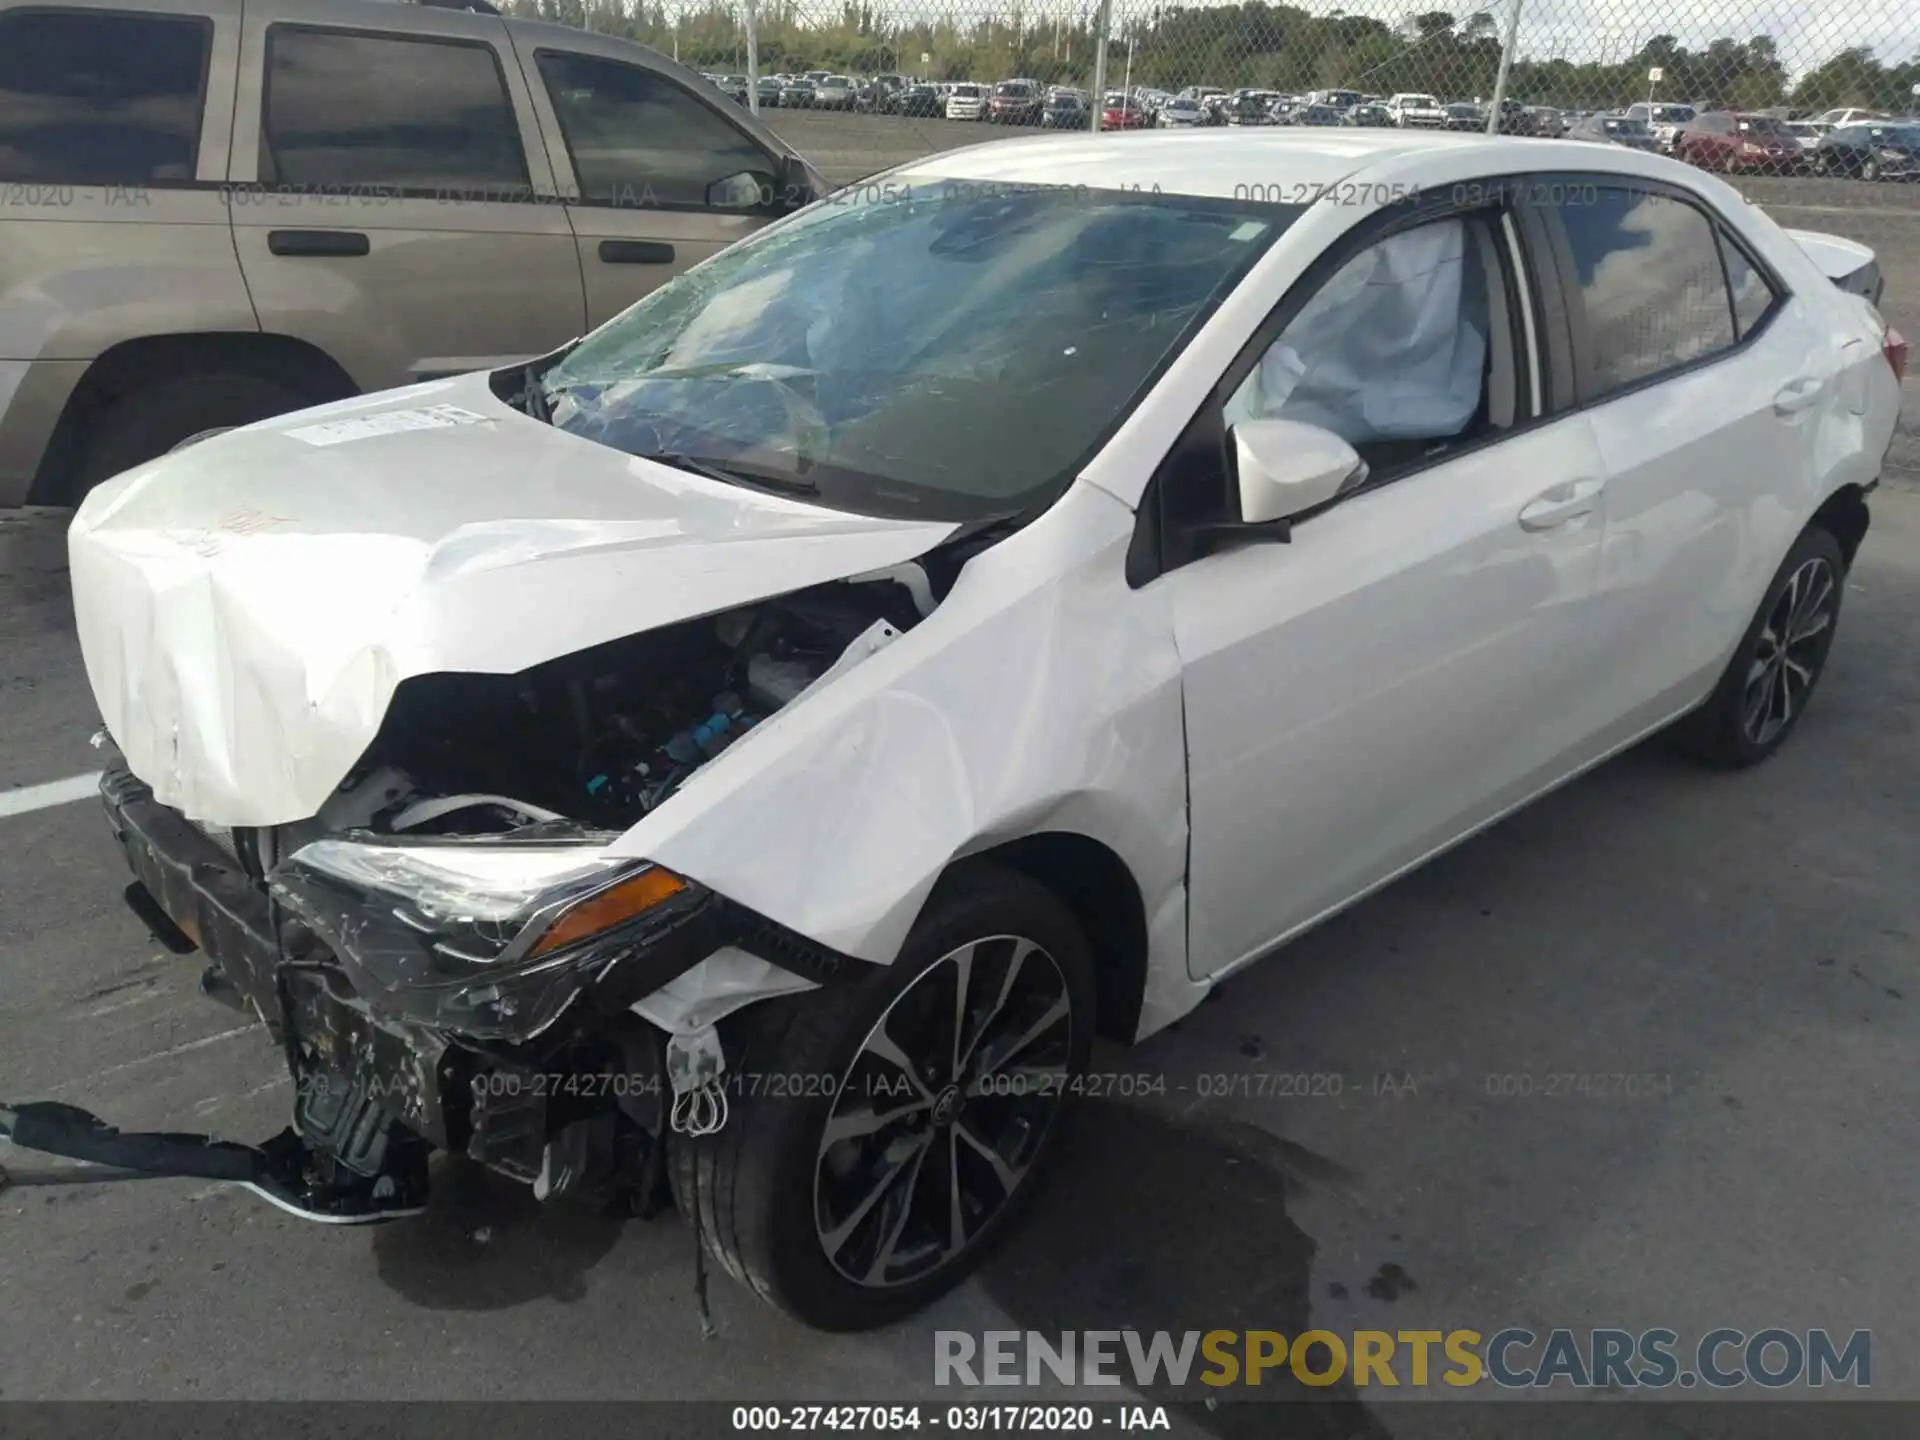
636 252
301 243
1553 508
1796 395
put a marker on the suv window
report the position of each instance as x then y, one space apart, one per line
1403 353
97 98
638 139
1648 277
415 114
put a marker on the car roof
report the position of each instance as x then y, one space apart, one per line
1202 163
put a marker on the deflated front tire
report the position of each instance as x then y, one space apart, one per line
884 1134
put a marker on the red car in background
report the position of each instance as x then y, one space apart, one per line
1726 141
1123 112
1015 102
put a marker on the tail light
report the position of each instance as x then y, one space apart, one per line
1895 349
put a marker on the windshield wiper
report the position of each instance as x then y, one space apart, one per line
750 479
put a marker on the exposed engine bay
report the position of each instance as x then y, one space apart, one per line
605 736
410 1020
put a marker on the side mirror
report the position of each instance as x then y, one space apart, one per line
746 190
1286 468
799 186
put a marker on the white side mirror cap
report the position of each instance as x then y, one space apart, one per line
1286 467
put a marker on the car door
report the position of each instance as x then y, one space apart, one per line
386 204
1416 660
660 177
1710 408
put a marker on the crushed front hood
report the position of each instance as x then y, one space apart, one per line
247 607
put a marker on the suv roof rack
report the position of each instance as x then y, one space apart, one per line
479 7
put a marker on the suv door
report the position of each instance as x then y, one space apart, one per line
1708 403
1416 661
386 204
659 175
113 137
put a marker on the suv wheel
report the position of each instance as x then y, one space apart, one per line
915 1109
151 421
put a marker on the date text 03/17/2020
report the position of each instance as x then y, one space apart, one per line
964 1419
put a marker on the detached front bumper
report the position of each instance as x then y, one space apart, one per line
374 1086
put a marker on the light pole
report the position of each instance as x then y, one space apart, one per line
1506 64
1101 20
753 57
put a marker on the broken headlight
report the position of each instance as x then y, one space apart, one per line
490 936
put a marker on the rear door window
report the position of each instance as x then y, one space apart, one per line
101 97
1647 282
346 109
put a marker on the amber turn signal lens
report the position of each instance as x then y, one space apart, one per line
610 907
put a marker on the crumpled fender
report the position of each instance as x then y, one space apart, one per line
1042 695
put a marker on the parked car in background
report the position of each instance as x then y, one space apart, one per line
1876 151
967 101
1064 110
1318 115
736 88
1462 116
797 94
836 92
1546 121
1181 111
771 88
1850 115
247 282
1809 133
1016 102
1615 130
1664 121
1517 118
1729 141
1123 112
1369 116
1338 99
920 101
1251 109
1417 111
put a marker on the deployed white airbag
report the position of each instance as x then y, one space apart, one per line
1392 348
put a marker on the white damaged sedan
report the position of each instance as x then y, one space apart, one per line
749 755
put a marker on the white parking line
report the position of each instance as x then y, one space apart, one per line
54 792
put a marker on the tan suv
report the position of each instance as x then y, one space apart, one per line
213 211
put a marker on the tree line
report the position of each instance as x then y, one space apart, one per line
1278 47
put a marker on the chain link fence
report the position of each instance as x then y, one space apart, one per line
1552 62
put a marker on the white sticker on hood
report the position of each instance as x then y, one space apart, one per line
387 422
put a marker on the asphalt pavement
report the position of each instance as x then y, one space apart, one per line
1748 946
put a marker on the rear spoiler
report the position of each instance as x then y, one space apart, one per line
1849 264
